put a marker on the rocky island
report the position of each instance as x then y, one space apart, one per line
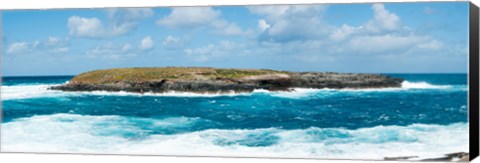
218 80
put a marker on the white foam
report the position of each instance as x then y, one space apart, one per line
293 93
34 91
99 134
296 93
405 86
27 91
422 85
170 93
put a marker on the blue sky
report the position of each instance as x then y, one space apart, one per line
373 38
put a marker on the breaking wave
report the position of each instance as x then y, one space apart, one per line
423 85
75 133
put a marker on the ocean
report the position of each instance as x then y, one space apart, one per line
426 117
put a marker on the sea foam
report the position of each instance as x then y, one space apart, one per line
27 91
74 133
423 85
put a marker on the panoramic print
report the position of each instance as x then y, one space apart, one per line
381 81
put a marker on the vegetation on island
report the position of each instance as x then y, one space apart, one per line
172 73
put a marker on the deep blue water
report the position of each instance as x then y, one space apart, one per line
32 80
438 100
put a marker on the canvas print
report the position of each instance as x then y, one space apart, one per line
381 81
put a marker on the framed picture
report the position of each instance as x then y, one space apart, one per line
357 81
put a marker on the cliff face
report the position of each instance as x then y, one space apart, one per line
211 80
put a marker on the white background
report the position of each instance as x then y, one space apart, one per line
52 158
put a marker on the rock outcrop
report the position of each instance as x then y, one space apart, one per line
212 80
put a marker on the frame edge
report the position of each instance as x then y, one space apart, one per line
473 77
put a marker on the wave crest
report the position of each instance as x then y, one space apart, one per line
423 85
113 134
27 91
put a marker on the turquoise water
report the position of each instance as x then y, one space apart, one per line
427 117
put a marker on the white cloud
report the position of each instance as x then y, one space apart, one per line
129 14
36 43
85 27
285 23
300 30
102 49
53 41
123 21
355 46
381 44
172 42
382 19
381 35
61 49
211 51
126 47
263 25
383 23
146 43
272 11
198 17
119 22
227 28
189 17
431 45
17 47
110 51
343 32
50 45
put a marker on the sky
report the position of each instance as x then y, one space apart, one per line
422 37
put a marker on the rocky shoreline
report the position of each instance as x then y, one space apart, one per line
200 80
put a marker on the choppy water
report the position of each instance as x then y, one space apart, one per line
427 117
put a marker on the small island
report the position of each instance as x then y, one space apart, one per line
219 80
